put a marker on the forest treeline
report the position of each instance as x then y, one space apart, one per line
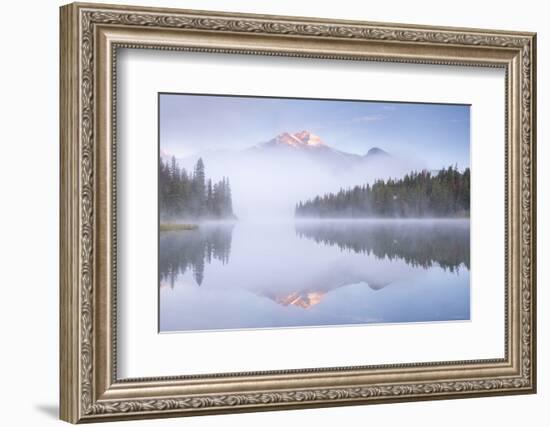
190 195
418 194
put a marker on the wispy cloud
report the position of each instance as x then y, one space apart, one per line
365 119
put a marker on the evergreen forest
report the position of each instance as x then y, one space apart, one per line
191 195
422 194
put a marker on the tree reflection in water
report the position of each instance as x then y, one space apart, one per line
313 273
419 243
191 249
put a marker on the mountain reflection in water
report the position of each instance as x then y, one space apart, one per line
312 273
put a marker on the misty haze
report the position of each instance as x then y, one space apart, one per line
279 212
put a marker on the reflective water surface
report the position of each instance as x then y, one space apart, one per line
314 273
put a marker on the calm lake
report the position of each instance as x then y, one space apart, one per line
314 273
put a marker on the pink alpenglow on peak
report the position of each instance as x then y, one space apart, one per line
299 139
287 139
309 139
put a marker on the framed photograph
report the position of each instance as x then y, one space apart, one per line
266 212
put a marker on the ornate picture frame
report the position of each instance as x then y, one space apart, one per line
91 34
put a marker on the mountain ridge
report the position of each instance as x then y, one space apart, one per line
306 140
303 139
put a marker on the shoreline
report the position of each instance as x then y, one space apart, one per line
168 226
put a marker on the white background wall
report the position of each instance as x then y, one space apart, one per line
29 170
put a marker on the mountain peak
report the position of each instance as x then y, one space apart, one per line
375 151
309 138
298 139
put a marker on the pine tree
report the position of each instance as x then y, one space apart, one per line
229 200
199 184
209 196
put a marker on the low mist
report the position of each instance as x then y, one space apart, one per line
268 185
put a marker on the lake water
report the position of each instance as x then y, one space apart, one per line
314 273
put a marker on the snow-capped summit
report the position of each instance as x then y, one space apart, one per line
285 139
296 140
309 138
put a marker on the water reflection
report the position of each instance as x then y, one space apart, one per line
258 275
192 249
418 243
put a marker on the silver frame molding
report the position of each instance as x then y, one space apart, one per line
90 37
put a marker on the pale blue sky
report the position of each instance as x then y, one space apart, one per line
436 134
